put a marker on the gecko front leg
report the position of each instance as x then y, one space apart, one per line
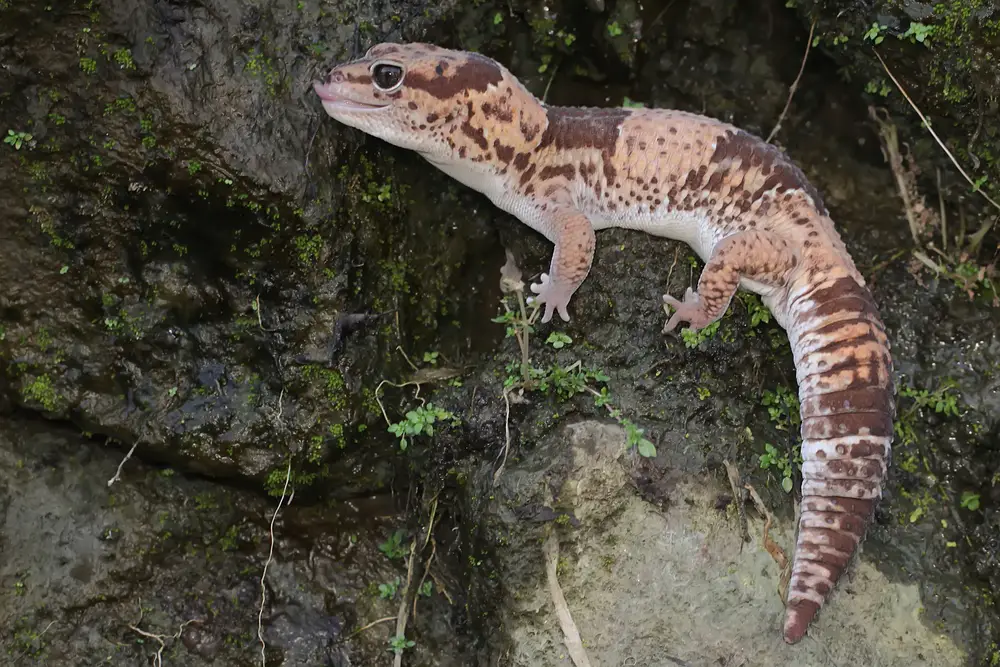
757 255
573 236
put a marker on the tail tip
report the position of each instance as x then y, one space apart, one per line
798 615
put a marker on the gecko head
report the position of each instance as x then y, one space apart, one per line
439 102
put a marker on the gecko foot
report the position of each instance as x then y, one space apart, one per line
554 295
690 310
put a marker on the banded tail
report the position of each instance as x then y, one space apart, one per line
844 373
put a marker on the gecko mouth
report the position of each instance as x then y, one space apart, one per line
332 102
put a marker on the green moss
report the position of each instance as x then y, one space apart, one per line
42 392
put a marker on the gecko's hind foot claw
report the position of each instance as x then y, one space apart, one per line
689 310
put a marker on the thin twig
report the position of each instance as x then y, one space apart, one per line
571 635
506 430
795 84
890 142
927 125
263 575
944 216
404 608
427 569
40 634
118 473
158 658
372 624
552 76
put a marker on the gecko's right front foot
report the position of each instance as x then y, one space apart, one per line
554 295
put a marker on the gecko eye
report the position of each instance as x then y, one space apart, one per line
386 77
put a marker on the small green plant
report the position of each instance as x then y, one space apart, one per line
431 358
419 421
970 501
694 338
942 400
388 591
425 589
632 104
497 18
614 29
874 33
558 340
18 139
400 643
772 458
193 167
756 309
393 547
918 32
124 58
88 65
782 407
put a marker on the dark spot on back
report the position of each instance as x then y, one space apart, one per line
526 176
476 134
505 153
781 172
571 128
566 171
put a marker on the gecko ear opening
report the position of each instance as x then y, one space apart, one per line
387 76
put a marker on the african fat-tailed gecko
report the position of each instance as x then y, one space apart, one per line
738 202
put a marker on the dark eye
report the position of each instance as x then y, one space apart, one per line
386 76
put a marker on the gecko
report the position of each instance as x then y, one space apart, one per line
740 203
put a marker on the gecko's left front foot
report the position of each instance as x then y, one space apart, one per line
553 295
691 310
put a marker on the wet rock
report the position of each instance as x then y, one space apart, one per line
654 587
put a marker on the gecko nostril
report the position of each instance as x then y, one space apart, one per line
335 77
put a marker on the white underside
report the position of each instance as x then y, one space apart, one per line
692 228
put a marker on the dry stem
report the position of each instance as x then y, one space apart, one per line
927 125
795 84
571 636
158 658
263 574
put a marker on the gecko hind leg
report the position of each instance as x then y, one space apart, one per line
757 255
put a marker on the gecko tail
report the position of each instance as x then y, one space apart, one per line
846 397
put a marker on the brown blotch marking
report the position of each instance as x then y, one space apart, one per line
530 189
526 176
780 171
431 117
866 399
521 161
571 128
362 79
672 130
504 153
461 151
660 141
826 427
476 72
412 106
476 134
567 171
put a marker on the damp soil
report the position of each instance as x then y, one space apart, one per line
204 275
